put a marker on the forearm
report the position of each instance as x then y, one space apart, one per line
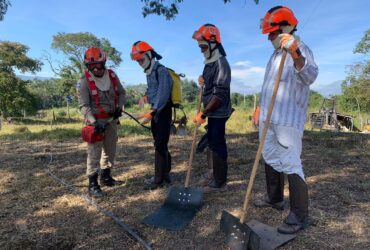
212 105
299 62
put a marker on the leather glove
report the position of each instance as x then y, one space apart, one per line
200 118
99 126
288 42
256 116
117 113
147 117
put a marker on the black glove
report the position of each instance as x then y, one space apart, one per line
117 113
99 126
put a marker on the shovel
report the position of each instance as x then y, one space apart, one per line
254 234
182 203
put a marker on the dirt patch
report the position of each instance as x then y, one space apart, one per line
36 212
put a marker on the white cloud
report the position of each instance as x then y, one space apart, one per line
246 78
242 63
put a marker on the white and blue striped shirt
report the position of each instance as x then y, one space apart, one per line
293 93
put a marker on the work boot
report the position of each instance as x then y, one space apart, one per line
151 184
298 216
218 182
107 180
219 167
275 189
160 165
166 176
208 175
94 188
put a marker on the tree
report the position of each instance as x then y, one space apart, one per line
168 10
14 96
189 90
48 93
315 100
355 88
73 46
4 4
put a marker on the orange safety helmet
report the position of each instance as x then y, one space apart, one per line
95 55
206 32
276 17
139 49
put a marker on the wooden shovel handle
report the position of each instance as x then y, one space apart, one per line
187 180
262 141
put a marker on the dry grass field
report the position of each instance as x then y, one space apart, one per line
37 212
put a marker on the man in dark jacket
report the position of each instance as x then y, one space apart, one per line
158 95
215 82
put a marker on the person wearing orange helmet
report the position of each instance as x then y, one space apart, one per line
158 95
283 144
215 81
101 99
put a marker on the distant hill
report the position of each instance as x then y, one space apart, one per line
30 78
331 89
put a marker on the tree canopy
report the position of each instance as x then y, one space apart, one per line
4 4
74 45
14 96
356 90
163 8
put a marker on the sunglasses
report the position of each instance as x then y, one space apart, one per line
93 66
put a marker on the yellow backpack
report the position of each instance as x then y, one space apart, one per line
176 93
176 98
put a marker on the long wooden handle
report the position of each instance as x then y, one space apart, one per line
187 180
262 141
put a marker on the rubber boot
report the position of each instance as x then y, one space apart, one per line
107 180
94 188
275 189
166 176
218 182
208 175
298 216
160 164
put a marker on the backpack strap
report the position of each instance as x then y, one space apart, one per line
156 72
95 93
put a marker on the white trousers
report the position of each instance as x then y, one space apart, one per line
283 148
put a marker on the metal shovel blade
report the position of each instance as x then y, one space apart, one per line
253 235
178 210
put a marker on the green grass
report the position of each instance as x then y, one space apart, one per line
42 128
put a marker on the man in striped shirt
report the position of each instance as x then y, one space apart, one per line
283 145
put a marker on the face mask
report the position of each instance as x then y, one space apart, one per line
276 43
97 69
145 61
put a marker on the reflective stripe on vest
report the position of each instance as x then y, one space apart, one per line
95 93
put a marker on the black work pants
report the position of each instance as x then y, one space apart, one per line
216 136
161 126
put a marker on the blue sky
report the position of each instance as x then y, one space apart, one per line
330 28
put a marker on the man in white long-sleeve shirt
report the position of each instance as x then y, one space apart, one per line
283 145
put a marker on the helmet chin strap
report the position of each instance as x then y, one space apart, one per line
149 64
211 47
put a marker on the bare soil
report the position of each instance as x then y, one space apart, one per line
36 212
